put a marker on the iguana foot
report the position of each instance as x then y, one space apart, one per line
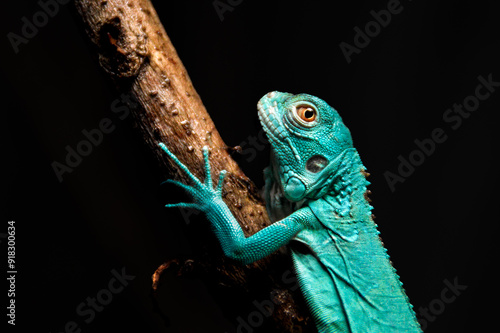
203 194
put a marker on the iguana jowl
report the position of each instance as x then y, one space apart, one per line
315 192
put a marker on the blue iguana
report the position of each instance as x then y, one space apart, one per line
315 193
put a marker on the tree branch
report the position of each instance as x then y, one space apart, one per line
134 50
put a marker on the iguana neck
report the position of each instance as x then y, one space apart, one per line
347 188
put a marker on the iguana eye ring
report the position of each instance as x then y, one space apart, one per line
306 113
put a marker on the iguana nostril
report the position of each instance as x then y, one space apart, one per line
295 189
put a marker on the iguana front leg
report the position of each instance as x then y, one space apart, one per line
229 233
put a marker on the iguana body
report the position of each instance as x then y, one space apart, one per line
315 191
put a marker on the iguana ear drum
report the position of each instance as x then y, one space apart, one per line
316 163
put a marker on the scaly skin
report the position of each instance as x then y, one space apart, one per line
315 191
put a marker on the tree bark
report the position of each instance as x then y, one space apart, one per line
133 48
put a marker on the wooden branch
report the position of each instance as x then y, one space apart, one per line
134 49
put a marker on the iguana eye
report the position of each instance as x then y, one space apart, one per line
306 113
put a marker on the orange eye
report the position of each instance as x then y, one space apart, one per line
306 113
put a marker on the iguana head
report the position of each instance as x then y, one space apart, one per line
308 139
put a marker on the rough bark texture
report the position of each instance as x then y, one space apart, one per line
134 49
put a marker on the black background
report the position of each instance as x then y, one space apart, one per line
441 223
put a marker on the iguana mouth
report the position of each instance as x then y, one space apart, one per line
273 125
268 119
